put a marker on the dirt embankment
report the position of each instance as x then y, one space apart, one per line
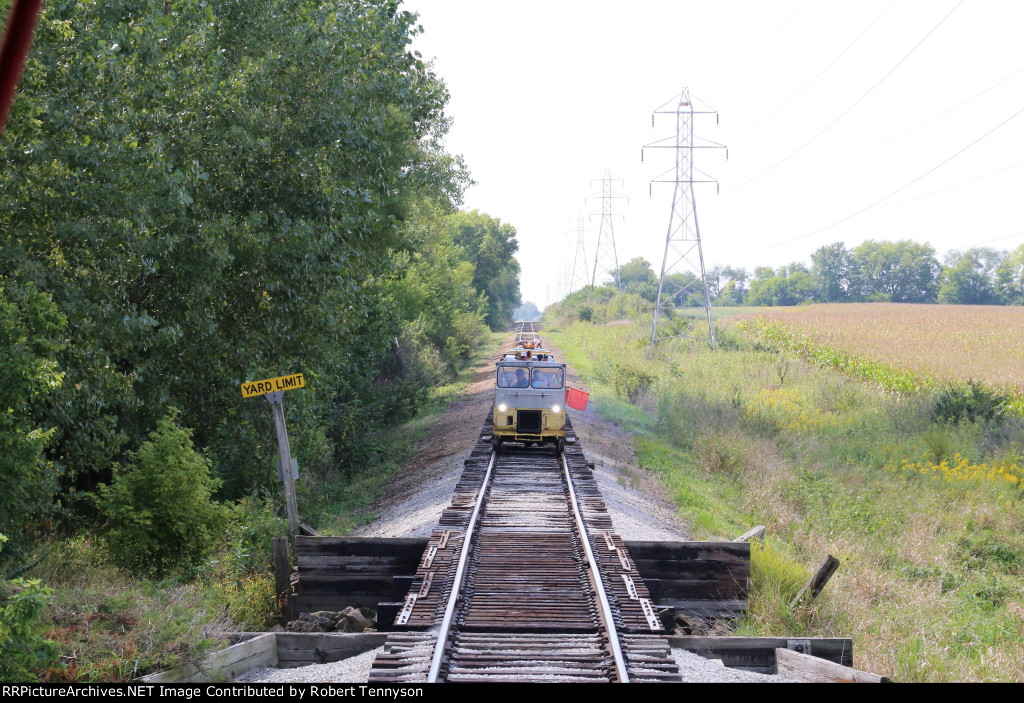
415 501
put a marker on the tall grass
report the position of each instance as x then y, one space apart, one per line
931 582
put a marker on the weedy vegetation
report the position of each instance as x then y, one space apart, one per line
912 481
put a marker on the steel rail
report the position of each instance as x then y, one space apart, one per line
595 577
460 574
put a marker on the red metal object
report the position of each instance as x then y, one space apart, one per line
21 25
576 399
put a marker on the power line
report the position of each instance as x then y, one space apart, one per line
978 244
958 185
855 103
925 124
807 85
883 199
763 44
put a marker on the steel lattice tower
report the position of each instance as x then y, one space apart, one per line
606 260
682 268
580 278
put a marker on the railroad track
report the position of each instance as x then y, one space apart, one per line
524 580
525 331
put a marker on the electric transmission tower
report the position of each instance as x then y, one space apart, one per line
606 260
580 270
682 268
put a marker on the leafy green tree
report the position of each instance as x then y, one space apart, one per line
432 294
637 276
834 269
490 246
160 506
30 338
214 192
738 277
730 295
897 272
1009 278
969 277
798 287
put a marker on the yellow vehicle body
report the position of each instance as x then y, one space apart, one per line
529 403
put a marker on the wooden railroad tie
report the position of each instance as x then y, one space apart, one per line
817 582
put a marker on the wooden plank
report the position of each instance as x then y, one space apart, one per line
360 546
804 667
752 534
758 653
718 609
676 589
696 566
825 572
304 648
357 570
307 530
282 575
817 582
730 572
311 603
350 563
225 665
382 586
685 551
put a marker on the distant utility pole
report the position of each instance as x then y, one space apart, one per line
682 268
562 283
606 260
580 279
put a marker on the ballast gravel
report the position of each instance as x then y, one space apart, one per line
693 668
352 670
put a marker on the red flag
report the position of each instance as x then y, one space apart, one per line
576 399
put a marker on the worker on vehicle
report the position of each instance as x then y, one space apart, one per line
507 377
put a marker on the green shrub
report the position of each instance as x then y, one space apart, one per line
242 576
254 525
159 506
22 652
630 381
971 402
585 313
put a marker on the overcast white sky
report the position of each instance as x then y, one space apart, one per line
827 108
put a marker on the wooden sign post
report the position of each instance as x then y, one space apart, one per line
273 390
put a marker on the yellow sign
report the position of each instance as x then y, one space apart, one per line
281 383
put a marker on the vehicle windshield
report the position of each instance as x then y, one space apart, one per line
547 378
513 377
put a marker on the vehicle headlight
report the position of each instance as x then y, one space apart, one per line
556 408
502 407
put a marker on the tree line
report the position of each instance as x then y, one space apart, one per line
198 194
876 271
